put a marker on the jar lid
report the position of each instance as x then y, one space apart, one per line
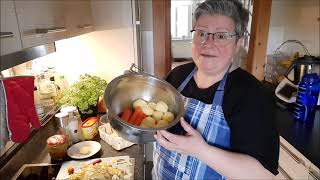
68 109
57 139
61 115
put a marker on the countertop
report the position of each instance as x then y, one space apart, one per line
35 151
305 139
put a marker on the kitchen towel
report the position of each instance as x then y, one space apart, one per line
4 133
21 111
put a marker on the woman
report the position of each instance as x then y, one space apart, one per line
229 125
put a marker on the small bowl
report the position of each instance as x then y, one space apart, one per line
122 91
89 128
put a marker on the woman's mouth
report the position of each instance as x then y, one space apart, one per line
208 55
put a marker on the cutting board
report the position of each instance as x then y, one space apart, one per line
127 164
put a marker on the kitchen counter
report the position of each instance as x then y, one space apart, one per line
305 139
35 151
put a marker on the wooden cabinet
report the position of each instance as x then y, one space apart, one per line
78 16
9 35
293 165
40 22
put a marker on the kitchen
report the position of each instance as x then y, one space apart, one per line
98 50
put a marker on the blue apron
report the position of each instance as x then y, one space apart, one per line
209 121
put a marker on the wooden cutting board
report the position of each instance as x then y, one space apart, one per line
121 162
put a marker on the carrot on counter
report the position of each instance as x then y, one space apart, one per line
126 114
135 114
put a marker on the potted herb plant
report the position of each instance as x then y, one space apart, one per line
84 94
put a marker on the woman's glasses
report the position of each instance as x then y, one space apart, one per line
219 38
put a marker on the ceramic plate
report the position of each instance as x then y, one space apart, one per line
83 149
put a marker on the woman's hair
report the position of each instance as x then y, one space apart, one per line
231 8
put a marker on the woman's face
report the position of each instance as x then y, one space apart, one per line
210 57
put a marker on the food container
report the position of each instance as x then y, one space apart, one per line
89 128
127 88
111 137
57 146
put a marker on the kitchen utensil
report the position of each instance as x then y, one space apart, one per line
122 91
301 66
76 151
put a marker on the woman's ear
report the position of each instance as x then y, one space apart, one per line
239 44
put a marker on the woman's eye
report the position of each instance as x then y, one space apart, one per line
221 36
201 34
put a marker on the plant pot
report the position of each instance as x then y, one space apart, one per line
84 115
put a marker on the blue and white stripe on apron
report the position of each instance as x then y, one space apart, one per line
209 121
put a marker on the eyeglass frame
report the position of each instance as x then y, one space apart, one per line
230 36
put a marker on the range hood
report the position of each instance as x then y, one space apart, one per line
9 60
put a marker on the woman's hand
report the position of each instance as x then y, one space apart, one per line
190 144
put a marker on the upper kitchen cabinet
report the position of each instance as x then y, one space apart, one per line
10 36
112 14
40 22
78 17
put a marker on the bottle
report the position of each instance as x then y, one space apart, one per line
307 98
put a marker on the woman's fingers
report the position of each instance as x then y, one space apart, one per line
187 127
163 141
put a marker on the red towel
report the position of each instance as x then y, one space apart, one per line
20 105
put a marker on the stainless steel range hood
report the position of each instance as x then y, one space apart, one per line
9 60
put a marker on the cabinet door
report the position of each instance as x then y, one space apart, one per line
112 14
10 36
40 21
78 17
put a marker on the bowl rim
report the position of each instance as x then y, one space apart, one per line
141 74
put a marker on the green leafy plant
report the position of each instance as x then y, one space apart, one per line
84 93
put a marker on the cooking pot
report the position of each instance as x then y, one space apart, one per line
301 66
122 91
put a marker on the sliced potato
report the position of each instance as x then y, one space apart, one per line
168 116
139 102
148 122
162 106
152 105
157 115
147 110
161 123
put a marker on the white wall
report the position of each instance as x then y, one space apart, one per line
295 19
106 54
181 48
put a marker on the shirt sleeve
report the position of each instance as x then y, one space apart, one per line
253 130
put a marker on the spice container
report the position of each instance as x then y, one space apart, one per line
57 146
90 128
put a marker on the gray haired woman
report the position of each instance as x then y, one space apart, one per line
230 132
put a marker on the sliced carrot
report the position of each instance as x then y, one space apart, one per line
126 114
139 118
135 114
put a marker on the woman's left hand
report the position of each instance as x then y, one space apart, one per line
190 144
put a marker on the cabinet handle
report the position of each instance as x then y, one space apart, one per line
296 158
314 174
85 26
6 34
284 173
51 30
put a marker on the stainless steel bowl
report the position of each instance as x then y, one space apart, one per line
122 91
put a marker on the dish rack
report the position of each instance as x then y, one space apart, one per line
112 137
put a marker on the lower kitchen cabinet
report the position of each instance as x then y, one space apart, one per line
293 165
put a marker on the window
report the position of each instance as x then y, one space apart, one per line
181 19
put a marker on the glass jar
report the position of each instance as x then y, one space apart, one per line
57 146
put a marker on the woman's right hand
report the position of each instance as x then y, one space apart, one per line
190 144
